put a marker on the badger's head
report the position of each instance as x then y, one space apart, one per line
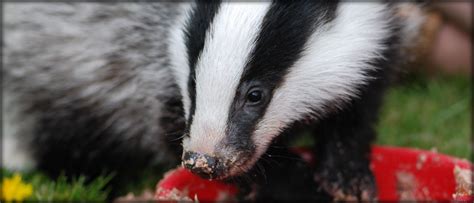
248 70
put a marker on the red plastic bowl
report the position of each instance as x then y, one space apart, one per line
431 173
181 184
400 173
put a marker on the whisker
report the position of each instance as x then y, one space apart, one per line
245 176
288 157
261 170
278 147
178 138
174 133
269 159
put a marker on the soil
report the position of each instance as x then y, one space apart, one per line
174 195
463 182
147 195
406 186
421 160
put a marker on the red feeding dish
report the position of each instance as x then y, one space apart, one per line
180 184
400 173
410 174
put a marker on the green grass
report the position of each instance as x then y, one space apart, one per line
429 113
47 190
422 112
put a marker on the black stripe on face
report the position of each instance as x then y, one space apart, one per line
195 35
285 30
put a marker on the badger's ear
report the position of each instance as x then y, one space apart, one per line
335 63
412 18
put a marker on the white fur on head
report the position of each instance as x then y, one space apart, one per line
228 44
179 55
331 68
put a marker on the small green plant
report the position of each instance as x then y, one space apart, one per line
47 190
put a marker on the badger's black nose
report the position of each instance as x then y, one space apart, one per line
205 166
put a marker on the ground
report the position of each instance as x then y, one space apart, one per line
425 112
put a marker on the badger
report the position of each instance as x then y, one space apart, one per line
220 87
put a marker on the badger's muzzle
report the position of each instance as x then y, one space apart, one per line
206 166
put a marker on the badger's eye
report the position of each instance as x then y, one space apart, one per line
254 96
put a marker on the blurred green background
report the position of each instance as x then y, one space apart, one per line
420 111
429 112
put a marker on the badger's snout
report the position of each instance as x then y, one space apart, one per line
206 166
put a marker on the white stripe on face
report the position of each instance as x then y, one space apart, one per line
229 42
178 54
330 70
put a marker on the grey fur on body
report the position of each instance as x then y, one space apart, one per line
107 58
